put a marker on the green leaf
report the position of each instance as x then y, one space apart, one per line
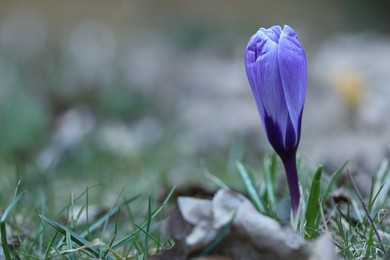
148 221
107 216
331 182
248 182
312 206
69 245
373 197
72 235
153 215
217 181
4 242
369 243
147 234
49 246
269 166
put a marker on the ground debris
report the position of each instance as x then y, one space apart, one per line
229 227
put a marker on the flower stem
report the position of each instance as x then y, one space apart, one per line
290 165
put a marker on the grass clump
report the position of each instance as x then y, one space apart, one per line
359 228
127 230
130 227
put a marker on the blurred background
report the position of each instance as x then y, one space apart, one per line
146 94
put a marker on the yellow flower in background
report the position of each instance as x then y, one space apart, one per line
350 86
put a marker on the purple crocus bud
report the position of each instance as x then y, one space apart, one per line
275 64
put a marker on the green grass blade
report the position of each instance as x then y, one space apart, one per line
372 200
165 202
108 215
248 182
115 230
127 238
331 182
105 227
217 181
113 237
69 245
147 234
269 167
382 247
4 242
49 246
75 200
312 206
87 209
154 214
369 243
73 236
148 221
43 210
27 256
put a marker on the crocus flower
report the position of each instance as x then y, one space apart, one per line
275 64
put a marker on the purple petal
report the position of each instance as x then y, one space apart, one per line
273 33
293 72
261 62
